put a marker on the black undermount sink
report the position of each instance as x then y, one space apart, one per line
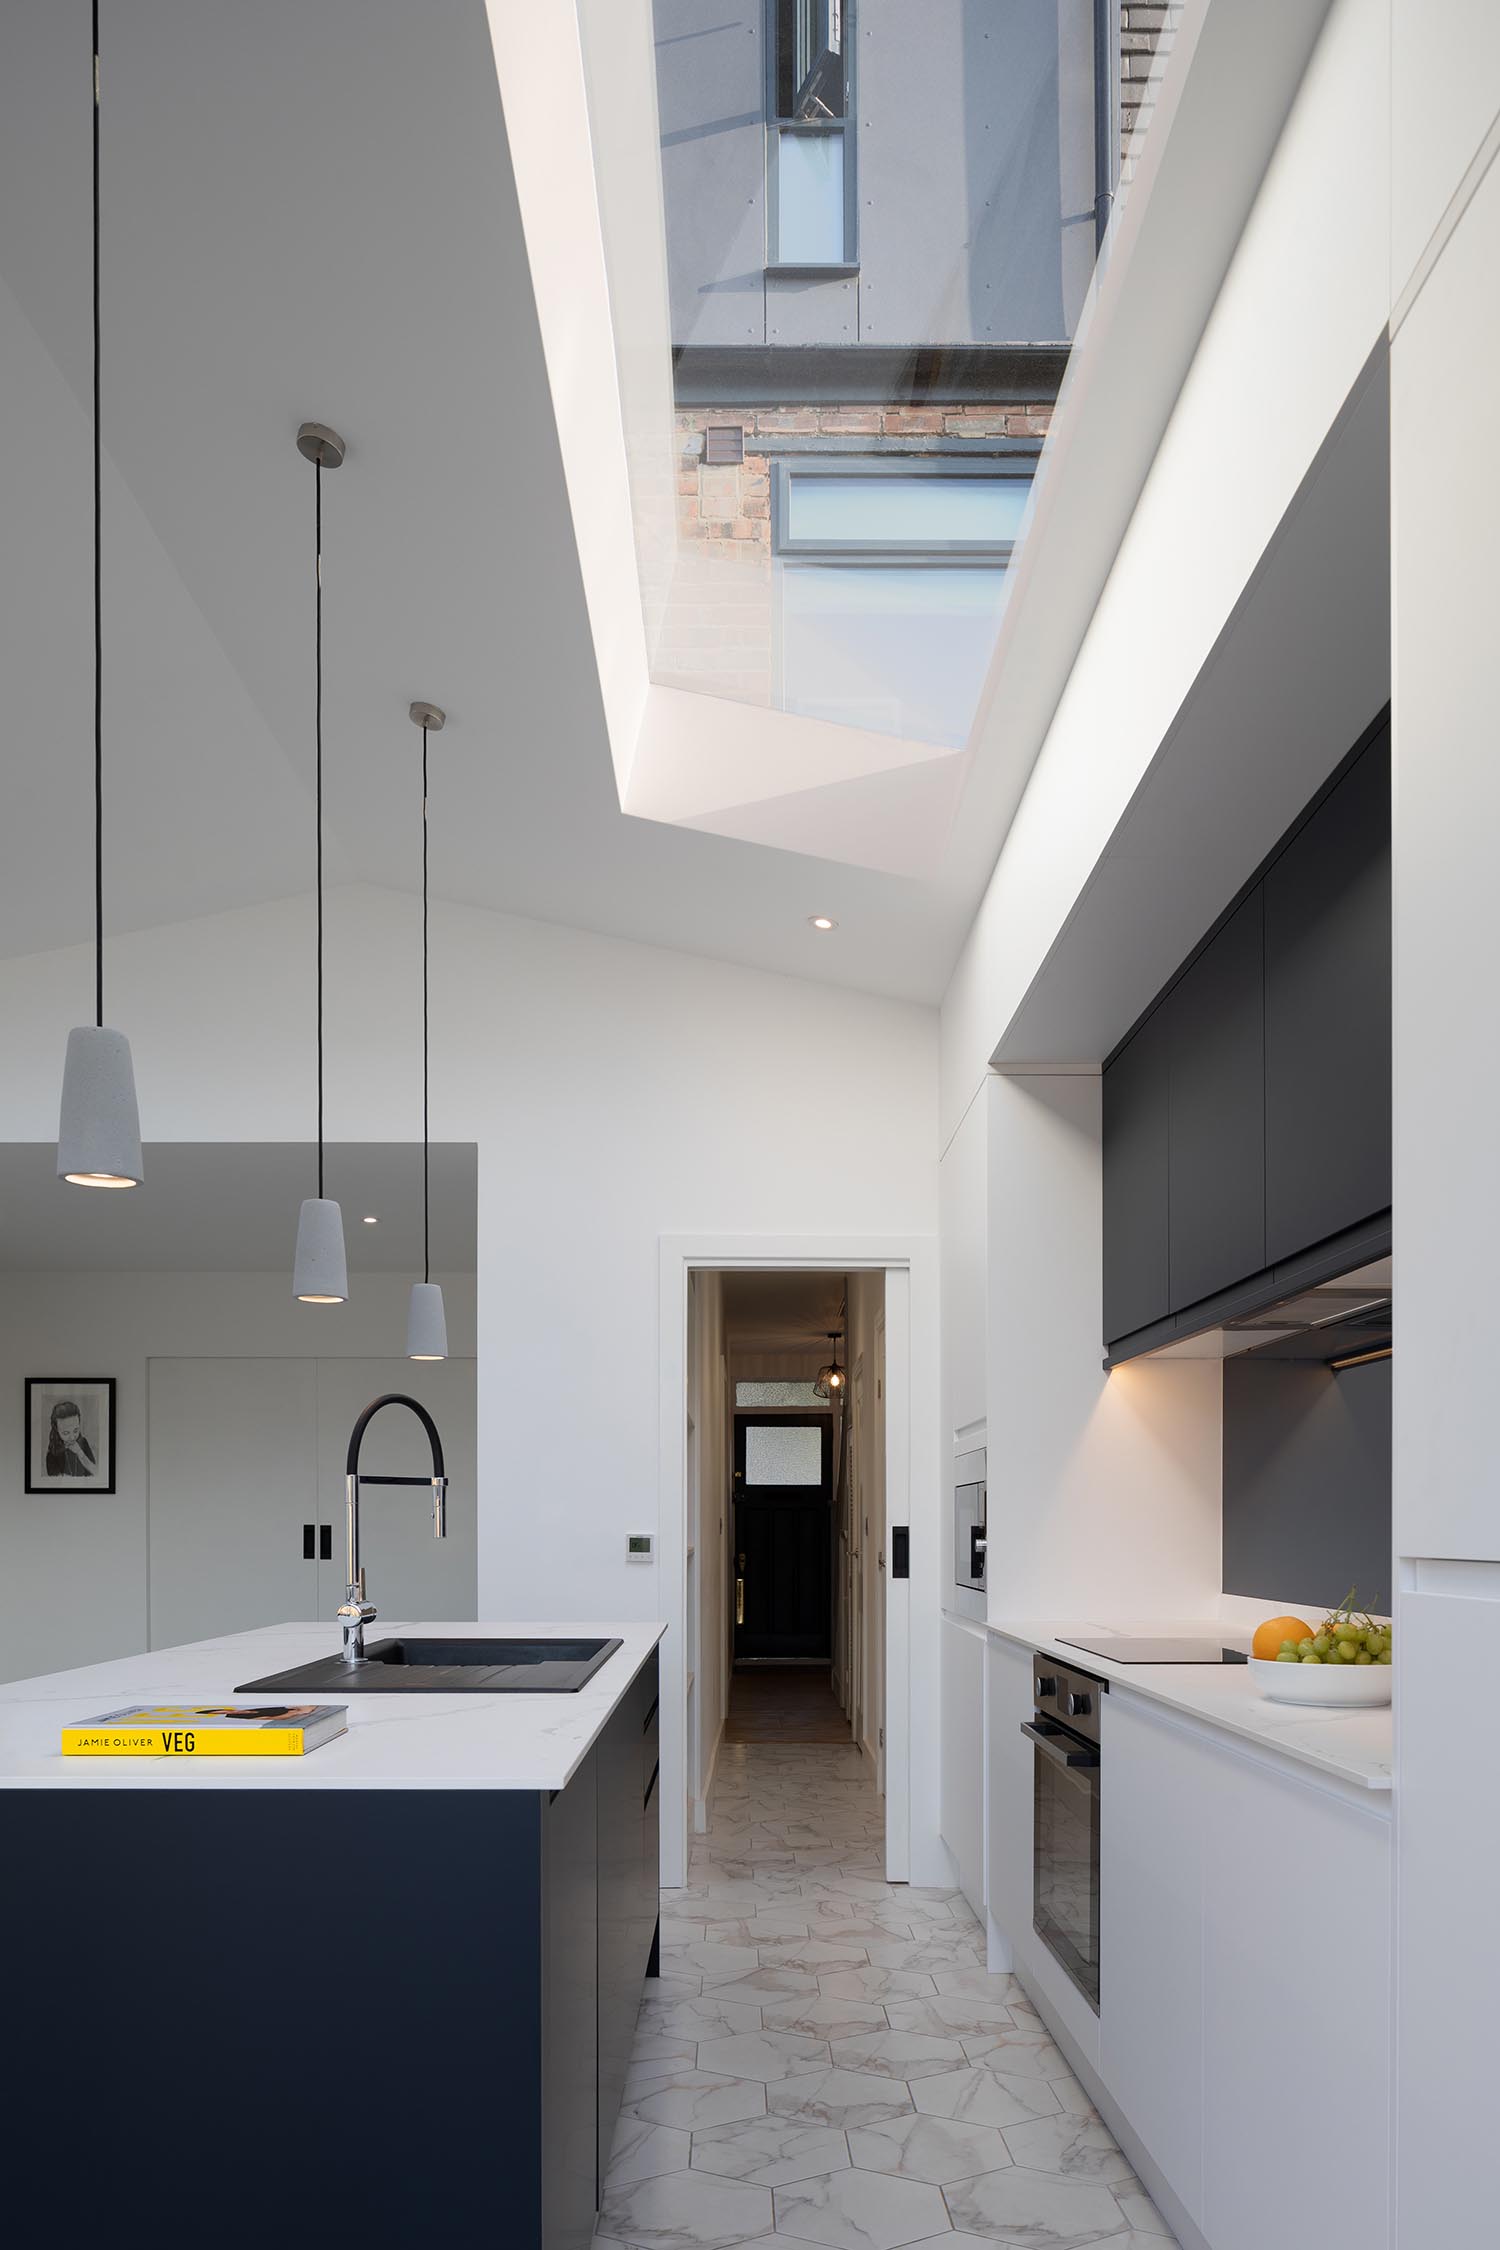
446 1667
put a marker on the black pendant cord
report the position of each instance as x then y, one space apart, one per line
98 597
426 1204
318 724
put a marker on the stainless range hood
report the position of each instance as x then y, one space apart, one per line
1336 1323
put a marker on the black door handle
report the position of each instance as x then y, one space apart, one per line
308 1554
325 1542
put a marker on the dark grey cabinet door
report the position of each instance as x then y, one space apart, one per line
1217 1221
1136 1128
570 2012
1328 1015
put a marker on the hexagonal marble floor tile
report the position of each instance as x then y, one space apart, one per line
936 2149
1071 2145
839 2097
696 2098
685 2211
770 2151
1141 2213
898 2054
947 2015
882 1985
983 2097
858 2211
1032 2210
776 1982
1017 2054
822 2018
643 2150
764 2054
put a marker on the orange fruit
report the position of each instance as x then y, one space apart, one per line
1269 1637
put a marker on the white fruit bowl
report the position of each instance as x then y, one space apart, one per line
1332 1687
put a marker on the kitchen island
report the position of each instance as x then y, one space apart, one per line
390 1984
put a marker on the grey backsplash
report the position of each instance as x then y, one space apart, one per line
1307 1481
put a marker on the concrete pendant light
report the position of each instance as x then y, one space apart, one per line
426 1322
99 1126
320 1275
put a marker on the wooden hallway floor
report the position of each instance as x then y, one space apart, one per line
785 1703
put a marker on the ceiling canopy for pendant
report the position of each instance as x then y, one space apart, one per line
426 1320
98 1126
320 1273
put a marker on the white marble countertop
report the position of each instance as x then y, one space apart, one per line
1352 1746
393 1741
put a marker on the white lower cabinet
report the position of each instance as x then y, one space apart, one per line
962 1738
1154 1783
1245 2003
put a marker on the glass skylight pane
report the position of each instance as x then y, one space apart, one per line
809 199
905 511
901 650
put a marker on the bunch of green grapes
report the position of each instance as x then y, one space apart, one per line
1346 1636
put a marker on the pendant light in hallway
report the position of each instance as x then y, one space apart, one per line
99 1127
831 1376
426 1321
320 1275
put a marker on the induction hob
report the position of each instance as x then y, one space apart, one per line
1120 1649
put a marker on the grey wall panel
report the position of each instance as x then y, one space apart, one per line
965 171
1307 1481
811 312
710 67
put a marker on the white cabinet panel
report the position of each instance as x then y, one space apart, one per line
1156 1784
962 1804
409 1574
1009 1702
233 1480
1296 2009
1447 1934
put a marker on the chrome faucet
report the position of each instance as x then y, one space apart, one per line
356 1613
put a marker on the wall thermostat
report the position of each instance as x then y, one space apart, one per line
639 1546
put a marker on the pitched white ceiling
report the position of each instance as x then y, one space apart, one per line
309 213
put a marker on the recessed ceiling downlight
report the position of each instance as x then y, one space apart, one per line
821 922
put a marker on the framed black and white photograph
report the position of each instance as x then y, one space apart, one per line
70 1433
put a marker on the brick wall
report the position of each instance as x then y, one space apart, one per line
717 631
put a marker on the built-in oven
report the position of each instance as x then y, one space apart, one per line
969 1522
1065 1735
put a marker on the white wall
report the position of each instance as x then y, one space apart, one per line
616 1093
1445 469
73 1571
1104 1490
708 1519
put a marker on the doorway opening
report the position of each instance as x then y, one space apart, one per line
786 1497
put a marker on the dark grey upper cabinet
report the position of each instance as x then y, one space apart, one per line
1217 1201
1135 1181
1328 1014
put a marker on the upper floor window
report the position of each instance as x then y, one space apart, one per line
810 154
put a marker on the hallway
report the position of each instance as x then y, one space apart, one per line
787 1704
825 2059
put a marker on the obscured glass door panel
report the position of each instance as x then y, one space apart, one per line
783 1453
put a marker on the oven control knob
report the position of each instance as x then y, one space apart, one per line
1045 1685
1079 1706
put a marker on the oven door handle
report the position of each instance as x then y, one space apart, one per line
1067 1752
